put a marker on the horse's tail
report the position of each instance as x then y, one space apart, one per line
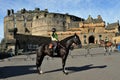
38 50
38 53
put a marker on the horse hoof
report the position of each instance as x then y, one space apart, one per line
40 72
65 72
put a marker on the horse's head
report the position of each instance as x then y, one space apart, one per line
101 41
77 40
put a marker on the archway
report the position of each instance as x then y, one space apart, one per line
91 39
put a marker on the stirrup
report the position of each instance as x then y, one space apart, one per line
54 53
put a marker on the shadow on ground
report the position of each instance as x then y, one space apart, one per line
78 69
12 71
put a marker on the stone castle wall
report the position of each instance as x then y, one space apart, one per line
37 22
41 25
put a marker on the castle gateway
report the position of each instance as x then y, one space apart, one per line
38 23
91 39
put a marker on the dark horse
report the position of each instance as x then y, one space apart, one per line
62 51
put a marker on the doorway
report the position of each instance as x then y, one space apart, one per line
91 39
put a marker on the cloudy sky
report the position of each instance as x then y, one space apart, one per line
108 9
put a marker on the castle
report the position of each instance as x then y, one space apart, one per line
36 23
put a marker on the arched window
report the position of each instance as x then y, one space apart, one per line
100 36
45 15
37 17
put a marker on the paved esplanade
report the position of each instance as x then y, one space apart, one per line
96 67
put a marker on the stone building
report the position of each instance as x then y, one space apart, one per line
36 23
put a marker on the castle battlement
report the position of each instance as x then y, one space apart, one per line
39 22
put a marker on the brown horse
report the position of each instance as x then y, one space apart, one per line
62 51
107 45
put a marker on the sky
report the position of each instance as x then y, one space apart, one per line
108 9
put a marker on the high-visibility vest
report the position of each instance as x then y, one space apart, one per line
54 37
106 39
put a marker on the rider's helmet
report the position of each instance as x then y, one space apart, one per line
53 29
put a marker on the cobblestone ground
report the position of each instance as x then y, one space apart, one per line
79 65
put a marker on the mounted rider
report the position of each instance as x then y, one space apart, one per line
54 38
106 40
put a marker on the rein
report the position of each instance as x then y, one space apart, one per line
61 45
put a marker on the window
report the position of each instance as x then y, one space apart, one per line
100 36
37 17
45 15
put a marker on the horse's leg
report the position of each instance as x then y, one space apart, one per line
110 50
63 64
106 50
39 62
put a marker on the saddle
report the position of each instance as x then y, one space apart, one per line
58 45
51 46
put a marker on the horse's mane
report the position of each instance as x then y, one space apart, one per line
66 39
102 40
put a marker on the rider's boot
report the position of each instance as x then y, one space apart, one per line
54 50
